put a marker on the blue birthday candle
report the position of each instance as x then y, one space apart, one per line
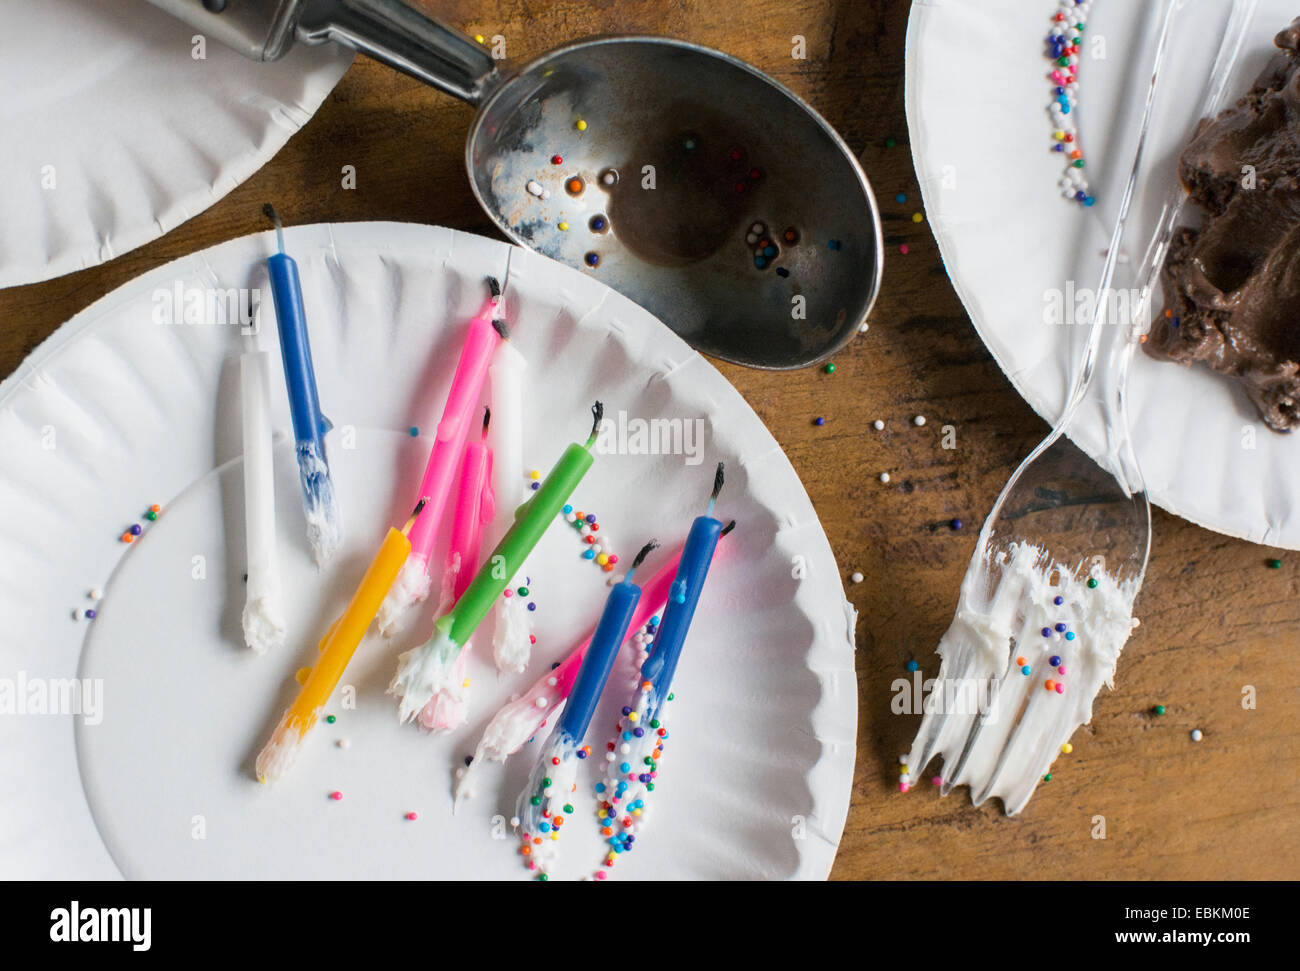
309 426
609 635
683 597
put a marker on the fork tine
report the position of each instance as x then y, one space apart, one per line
1044 754
1009 744
1007 698
952 771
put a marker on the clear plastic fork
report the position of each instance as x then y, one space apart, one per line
1046 604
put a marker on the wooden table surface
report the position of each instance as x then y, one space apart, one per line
1215 619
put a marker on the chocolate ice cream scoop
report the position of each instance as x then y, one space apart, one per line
1232 287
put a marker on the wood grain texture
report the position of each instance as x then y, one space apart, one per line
1215 618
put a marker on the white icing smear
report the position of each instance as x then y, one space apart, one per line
425 671
410 588
264 627
997 728
540 804
512 643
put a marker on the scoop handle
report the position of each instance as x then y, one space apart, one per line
390 31
404 38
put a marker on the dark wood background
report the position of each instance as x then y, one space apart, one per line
1215 618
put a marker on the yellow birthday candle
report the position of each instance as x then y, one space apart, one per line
336 650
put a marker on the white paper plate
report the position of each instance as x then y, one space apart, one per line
115 412
114 133
977 94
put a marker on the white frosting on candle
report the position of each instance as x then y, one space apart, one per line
512 634
449 709
320 504
1025 723
279 754
425 671
553 798
508 731
410 588
264 628
263 618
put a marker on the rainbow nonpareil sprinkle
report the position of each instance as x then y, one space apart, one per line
595 548
1063 45
631 768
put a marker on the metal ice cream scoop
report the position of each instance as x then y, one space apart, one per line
680 176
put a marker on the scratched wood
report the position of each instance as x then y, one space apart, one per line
1215 618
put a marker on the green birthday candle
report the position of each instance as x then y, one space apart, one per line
435 671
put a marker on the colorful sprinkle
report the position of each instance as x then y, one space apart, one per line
1159 710
336 795
1197 735
1062 50
829 369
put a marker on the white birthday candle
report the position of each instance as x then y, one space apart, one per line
264 627
506 436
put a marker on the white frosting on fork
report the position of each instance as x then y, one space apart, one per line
997 728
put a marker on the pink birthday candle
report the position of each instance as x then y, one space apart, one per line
519 720
485 335
475 507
